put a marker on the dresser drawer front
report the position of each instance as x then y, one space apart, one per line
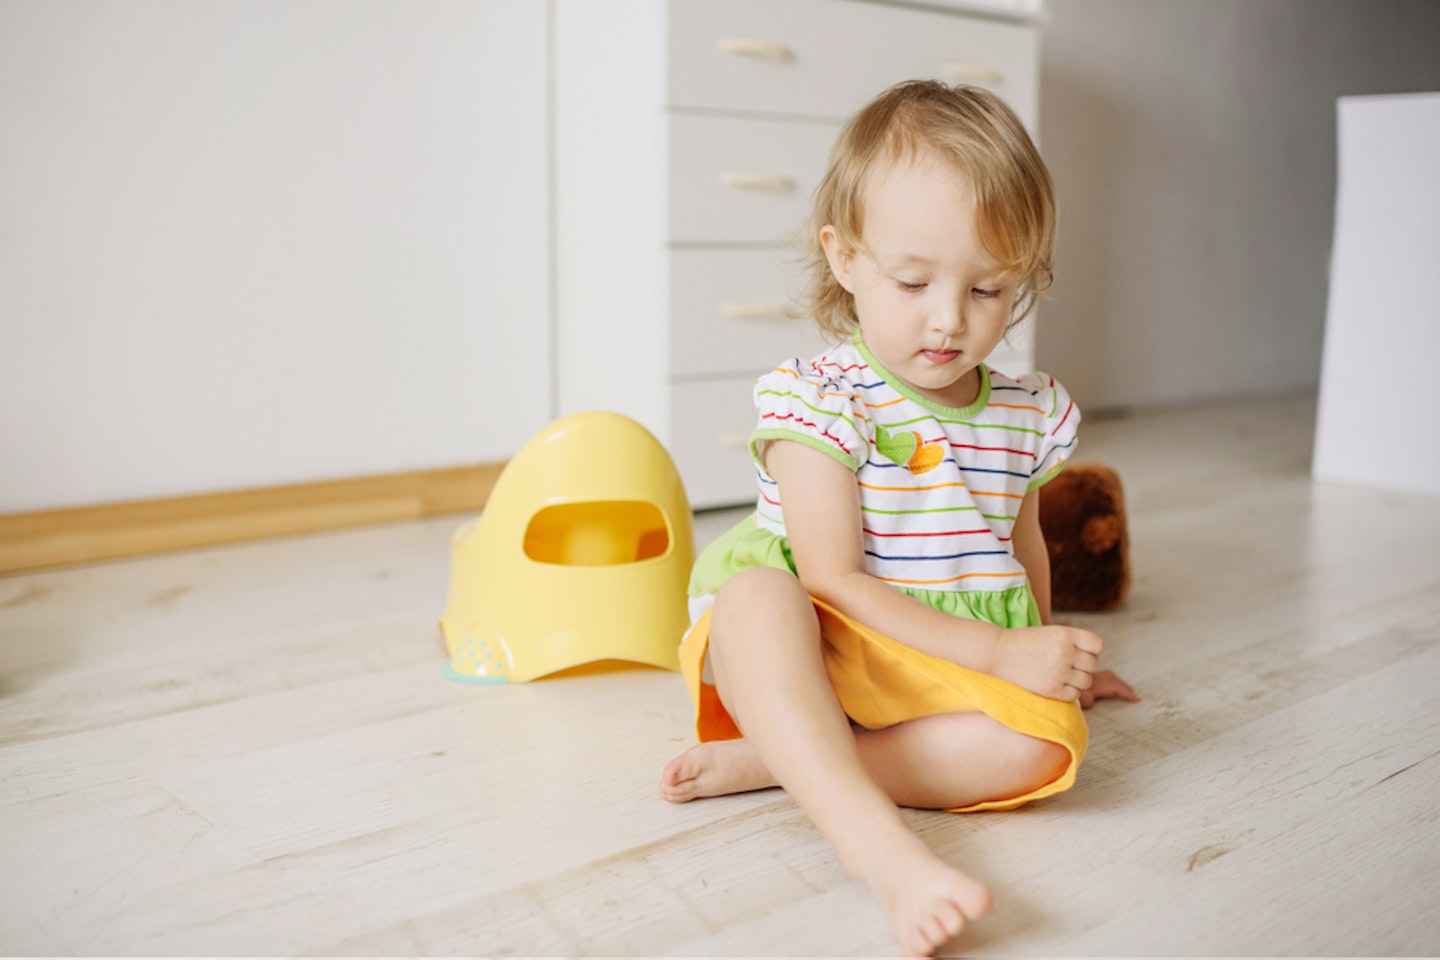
729 312
828 57
736 180
711 423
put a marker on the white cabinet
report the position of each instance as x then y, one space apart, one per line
689 136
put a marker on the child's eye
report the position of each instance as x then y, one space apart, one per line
911 286
985 293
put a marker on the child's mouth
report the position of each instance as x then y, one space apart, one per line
940 357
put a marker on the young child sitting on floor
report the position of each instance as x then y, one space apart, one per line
876 633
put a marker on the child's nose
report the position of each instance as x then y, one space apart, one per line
950 318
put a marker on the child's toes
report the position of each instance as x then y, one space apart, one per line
945 925
973 899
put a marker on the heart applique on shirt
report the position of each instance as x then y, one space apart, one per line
905 447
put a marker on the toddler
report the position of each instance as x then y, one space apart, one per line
875 634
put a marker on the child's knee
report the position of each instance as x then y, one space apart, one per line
1040 761
761 589
1029 763
760 604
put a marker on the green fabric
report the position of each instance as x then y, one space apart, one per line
741 547
745 545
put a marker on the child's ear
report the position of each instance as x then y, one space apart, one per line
839 255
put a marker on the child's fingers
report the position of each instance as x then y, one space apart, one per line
1079 681
1089 642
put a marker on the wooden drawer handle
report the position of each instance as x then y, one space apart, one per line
778 310
754 47
734 440
775 182
971 73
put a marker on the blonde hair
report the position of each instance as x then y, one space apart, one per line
982 136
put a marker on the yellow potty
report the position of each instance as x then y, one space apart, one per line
582 553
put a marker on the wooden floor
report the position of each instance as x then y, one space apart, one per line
253 750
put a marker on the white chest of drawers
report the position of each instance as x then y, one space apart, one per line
689 136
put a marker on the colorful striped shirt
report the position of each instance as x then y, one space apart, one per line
940 487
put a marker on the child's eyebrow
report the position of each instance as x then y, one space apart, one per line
910 260
919 261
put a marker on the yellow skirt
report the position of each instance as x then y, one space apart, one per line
881 682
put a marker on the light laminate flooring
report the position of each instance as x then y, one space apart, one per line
253 750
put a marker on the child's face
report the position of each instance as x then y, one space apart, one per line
932 303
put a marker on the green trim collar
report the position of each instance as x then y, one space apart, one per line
982 400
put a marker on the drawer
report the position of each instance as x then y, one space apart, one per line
738 180
710 427
728 312
828 57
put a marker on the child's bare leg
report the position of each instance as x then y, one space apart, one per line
937 763
958 760
766 655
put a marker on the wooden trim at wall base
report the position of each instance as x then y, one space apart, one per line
32 541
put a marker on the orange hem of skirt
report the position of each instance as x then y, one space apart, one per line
881 682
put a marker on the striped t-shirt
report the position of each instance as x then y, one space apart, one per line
940 488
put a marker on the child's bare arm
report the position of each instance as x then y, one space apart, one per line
822 520
1029 540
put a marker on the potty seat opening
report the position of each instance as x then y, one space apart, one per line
598 533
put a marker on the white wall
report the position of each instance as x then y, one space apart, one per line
253 242
1193 145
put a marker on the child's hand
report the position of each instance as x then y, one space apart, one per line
1107 686
1053 661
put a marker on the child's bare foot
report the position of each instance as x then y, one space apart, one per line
714 769
926 899
1108 686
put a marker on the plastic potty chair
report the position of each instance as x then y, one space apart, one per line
582 553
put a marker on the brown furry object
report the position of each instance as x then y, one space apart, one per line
1082 513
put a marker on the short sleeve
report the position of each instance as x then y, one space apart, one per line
1059 427
799 401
